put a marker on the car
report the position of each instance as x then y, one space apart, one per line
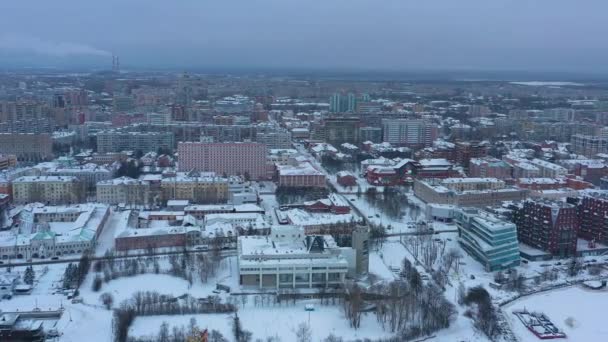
1 262
55 258
524 261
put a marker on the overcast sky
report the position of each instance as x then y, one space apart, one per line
558 35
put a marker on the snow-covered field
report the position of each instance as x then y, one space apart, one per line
583 306
272 321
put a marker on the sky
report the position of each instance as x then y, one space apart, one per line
536 35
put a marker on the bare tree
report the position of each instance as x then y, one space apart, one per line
303 333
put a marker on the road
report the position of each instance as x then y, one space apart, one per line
224 253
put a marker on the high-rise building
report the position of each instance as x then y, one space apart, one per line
27 146
189 89
277 139
123 103
340 130
373 134
343 103
409 132
588 145
123 140
247 159
593 214
550 226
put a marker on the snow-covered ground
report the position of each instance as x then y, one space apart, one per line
124 288
582 307
269 203
105 241
272 321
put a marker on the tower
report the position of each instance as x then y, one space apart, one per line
115 64
360 244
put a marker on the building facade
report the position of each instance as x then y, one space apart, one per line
434 191
27 146
52 190
550 226
593 215
489 167
488 239
289 259
124 190
409 132
203 189
120 140
246 159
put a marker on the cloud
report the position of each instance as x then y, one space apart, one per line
25 43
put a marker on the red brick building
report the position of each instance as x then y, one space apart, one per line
150 238
346 179
550 226
593 215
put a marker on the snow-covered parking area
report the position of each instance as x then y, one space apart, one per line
575 311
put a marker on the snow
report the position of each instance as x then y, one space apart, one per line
83 323
105 241
583 306
379 268
124 288
272 321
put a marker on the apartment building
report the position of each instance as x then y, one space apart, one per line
27 146
409 132
434 191
550 226
125 190
246 159
198 189
122 140
52 190
489 167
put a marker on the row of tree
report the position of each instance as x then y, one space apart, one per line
188 266
150 303
409 307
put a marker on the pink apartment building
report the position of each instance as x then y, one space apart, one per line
224 158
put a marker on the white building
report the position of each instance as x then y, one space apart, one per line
48 231
289 259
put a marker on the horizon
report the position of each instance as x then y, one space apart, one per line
352 35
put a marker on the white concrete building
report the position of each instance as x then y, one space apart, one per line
289 259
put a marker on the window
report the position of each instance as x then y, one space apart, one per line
286 278
302 277
318 277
